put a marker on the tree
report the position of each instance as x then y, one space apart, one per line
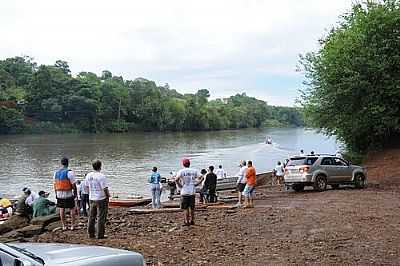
353 82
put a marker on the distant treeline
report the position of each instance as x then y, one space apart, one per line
47 98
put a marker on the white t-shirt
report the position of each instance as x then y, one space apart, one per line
65 194
78 189
29 200
279 170
220 173
242 175
96 182
187 177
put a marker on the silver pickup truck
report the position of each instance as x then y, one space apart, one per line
39 254
319 171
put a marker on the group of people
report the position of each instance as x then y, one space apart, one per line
71 195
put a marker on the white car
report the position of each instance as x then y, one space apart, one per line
35 254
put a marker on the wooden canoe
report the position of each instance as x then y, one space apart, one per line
230 182
128 202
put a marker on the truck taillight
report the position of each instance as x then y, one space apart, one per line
304 169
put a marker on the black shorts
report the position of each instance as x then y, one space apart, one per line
187 202
240 187
68 203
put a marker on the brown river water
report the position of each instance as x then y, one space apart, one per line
30 160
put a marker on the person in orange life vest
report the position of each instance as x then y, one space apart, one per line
65 190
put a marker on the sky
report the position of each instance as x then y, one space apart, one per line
225 46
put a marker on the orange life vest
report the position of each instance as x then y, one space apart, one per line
61 180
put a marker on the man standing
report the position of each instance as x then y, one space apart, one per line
279 172
84 198
187 180
98 196
154 181
220 172
250 185
241 182
65 190
211 184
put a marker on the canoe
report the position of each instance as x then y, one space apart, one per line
128 202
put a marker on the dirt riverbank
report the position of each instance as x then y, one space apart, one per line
345 226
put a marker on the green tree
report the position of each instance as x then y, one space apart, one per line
353 80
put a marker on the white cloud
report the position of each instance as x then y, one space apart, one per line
210 43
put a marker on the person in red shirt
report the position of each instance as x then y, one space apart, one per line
249 190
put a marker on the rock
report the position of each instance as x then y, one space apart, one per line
45 220
31 230
12 235
14 222
53 226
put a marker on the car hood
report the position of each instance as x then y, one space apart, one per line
70 254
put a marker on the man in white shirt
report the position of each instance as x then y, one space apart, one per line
279 172
98 196
241 182
32 196
187 180
220 172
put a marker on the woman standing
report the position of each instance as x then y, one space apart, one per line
155 188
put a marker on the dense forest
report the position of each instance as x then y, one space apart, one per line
47 98
353 80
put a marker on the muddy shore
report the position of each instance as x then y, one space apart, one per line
344 226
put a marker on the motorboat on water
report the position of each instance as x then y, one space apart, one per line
268 140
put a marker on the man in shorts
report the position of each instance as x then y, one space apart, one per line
187 179
65 190
249 190
241 182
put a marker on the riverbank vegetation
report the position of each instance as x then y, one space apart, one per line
353 82
47 98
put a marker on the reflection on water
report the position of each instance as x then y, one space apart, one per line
30 160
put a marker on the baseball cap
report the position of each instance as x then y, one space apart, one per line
186 162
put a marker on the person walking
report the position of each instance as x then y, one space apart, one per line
241 181
249 190
65 190
211 184
98 196
154 181
187 179
203 190
220 172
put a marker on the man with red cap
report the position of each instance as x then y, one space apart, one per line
187 179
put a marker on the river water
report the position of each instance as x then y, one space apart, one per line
30 160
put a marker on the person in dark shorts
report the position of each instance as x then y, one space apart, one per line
187 179
211 185
65 190
241 182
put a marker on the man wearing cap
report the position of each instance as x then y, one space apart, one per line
65 188
241 181
31 196
187 179
42 206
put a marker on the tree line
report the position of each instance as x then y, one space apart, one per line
48 98
353 80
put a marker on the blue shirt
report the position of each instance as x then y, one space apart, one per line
155 178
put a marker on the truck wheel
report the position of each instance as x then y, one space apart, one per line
359 181
320 183
298 188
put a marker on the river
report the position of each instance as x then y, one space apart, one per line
30 160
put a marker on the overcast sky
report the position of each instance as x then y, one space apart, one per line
226 46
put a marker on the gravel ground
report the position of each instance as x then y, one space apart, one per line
344 226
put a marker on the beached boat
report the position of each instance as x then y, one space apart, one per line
230 182
116 202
